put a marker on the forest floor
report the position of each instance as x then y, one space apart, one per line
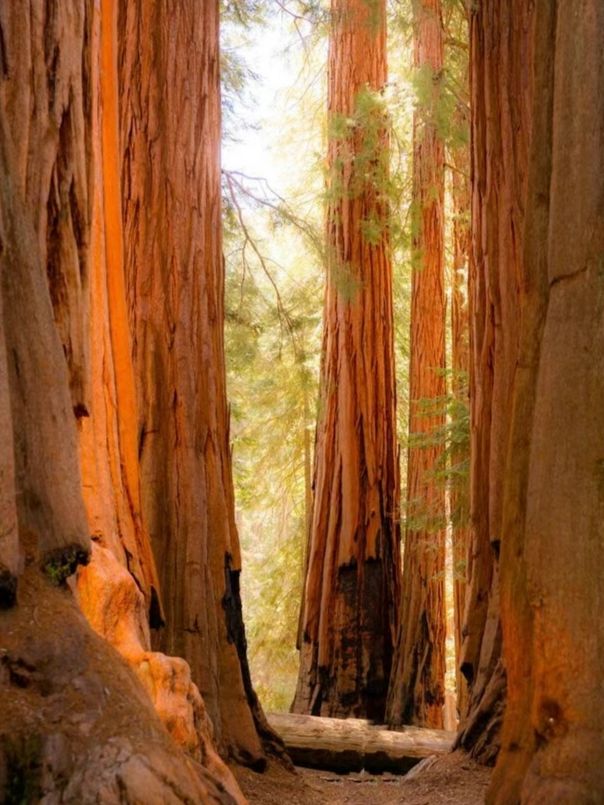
447 780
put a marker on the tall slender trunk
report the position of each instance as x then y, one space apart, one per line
460 357
308 493
501 86
416 694
171 198
351 591
553 511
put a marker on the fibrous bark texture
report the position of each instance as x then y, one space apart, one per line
108 432
352 587
44 209
171 199
501 86
553 511
119 591
417 685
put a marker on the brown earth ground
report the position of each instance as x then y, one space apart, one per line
448 780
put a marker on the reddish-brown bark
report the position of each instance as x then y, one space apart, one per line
171 198
551 560
460 356
460 188
352 587
416 693
501 85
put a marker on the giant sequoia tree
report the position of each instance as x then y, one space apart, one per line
458 156
416 693
171 196
501 126
44 198
351 589
107 417
553 507
460 364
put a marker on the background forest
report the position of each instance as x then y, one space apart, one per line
275 140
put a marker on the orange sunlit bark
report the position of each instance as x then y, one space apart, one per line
108 439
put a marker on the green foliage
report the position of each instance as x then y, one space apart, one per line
273 314
272 383
453 465
238 19
62 563
274 253
272 603
361 164
245 13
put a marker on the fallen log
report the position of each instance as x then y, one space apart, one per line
353 744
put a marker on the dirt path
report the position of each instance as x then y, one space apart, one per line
448 780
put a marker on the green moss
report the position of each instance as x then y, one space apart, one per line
62 563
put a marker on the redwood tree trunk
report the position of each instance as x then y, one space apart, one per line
552 554
501 85
417 685
460 188
460 356
351 590
171 197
